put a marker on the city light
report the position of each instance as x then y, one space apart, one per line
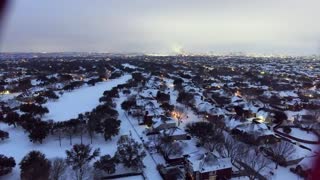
237 93
176 115
5 92
261 119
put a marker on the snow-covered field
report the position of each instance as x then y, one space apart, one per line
80 100
68 106
18 145
295 132
301 134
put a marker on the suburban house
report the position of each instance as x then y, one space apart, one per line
163 123
177 134
208 167
254 133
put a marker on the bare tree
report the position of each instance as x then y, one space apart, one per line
169 147
248 97
58 169
209 135
255 164
179 114
233 149
282 151
315 118
214 141
79 157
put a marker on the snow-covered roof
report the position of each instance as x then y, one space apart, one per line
254 128
129 66
288 94
208 162
175 131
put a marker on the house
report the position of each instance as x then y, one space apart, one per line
208 166
307 121
136 111
263 115
163 123
177 134
172 172
254 133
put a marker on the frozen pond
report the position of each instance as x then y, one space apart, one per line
70 104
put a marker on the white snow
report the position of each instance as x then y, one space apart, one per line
18 145
80 100
129 66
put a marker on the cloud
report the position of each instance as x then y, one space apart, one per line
287 26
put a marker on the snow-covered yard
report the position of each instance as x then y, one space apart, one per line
310 136
80 100
18 145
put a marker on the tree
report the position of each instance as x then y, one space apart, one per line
39 130
34 109
286 129
128 104
130 153
209 136
79 156
185 98
179 114
169 147
254 163
233 149
50 94
81 126
167 107
58 168
92 125
24 84
280 116
178 83
4 135
314 118
72 127
162 97
106 164
40 100
35 166
111 128
213 141
283 150
12 118
137 76
6 164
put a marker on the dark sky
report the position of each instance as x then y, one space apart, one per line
164 26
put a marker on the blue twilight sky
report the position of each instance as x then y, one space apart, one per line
163 26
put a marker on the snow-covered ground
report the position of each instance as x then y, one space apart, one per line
68 106
6 97
301 134
18 145
130 126
80 100
129 66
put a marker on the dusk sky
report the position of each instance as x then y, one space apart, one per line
163 26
